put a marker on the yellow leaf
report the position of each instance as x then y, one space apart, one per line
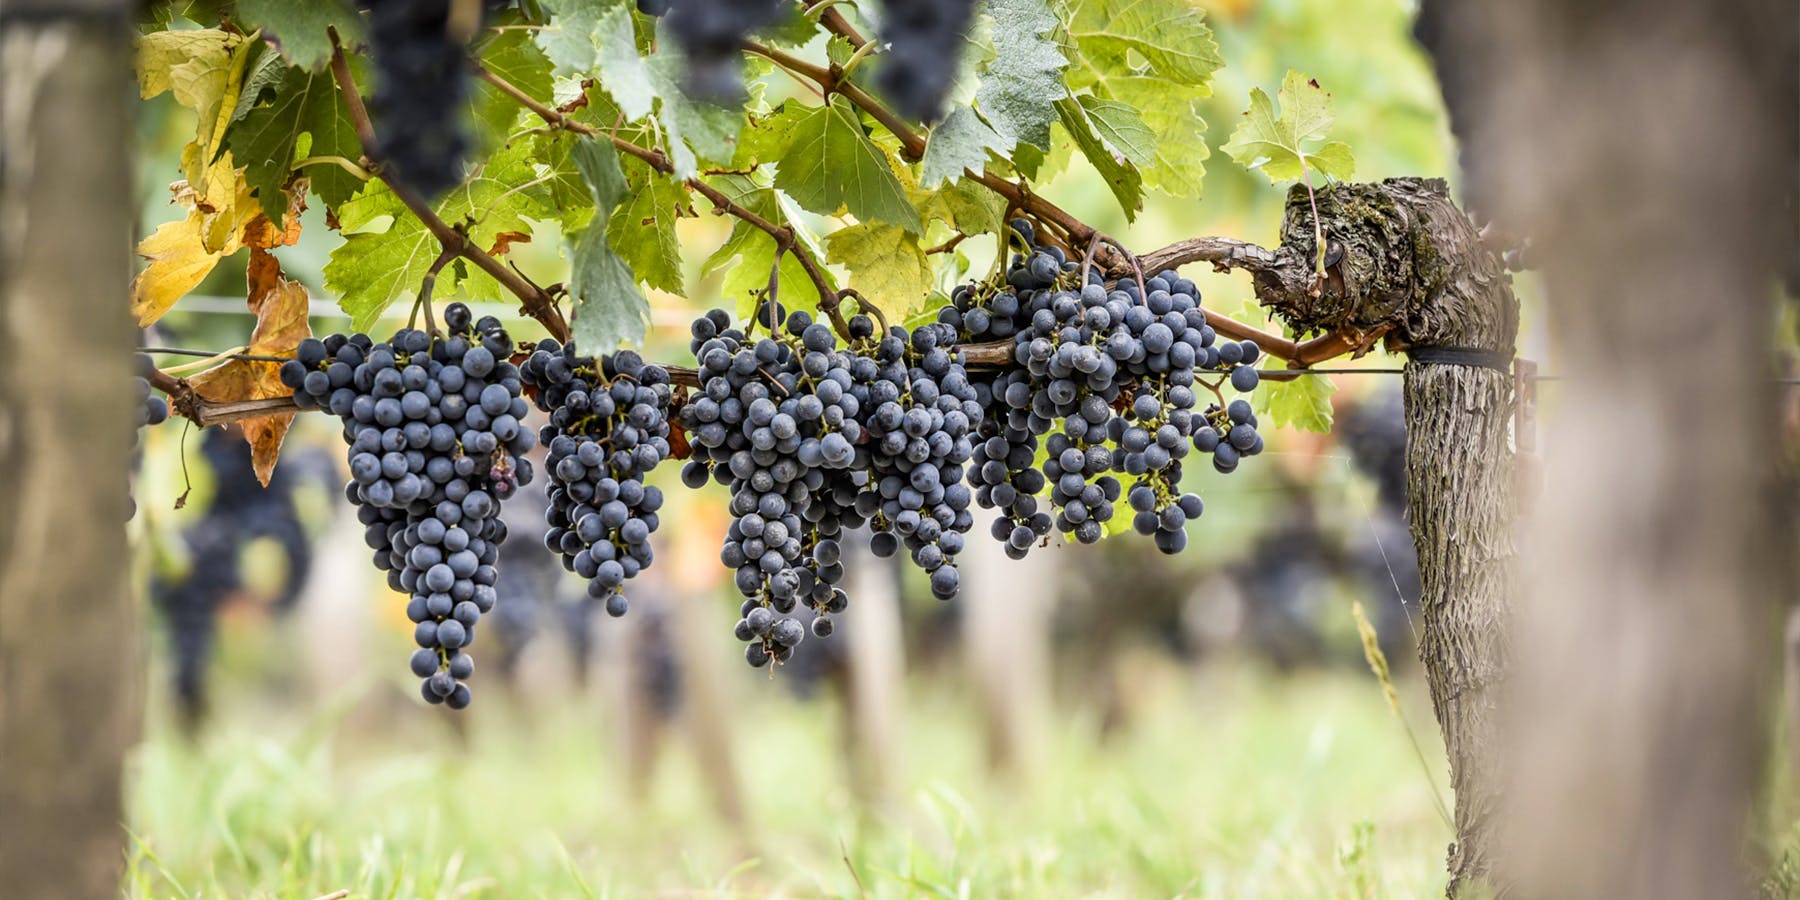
214 119
216 196
182 253
886 265
190 63
179 261
205 70
281 307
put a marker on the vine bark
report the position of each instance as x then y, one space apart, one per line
1409 265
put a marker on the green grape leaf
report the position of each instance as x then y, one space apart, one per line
609 308
270 135
260 77
1041 165
832 165
372 269
622 70
1278 142
964 205
886 264
1172 113
1158 57
1167 39
698 129
598 164
1024 78
515 57
1303 403
1122 128
297 27
643 232
961 141
770 134
568 41
1121 176
748 254
567 193
387 250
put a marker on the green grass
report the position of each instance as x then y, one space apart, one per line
1228 784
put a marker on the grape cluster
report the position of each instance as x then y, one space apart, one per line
1229 434
775 421
1003 466
151 409
609 427
421 86
1106 380
922 428
711 33
241 510
815 439
914 74
1374 432
436 434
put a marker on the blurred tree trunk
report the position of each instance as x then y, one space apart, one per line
1648 147
68 663
1005 624
874 699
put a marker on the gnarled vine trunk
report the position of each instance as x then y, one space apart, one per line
1406 264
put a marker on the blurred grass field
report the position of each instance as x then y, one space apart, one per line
1230 782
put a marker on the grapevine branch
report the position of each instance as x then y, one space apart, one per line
784 237
537 302
1223 253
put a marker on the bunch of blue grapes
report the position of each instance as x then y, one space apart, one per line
1229 434
1003 466
711 34
436 441
608 428
775 420
922 412
921 34
1107 381
151 409
815 438
421 84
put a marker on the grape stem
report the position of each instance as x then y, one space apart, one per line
184 351
948 245
423 301
208 359
360 173
866 306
